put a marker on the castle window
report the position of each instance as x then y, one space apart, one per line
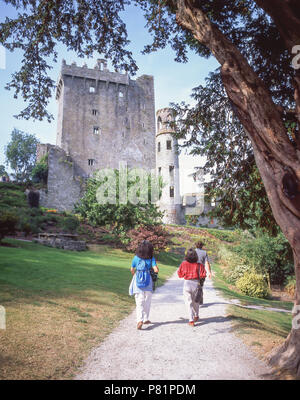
171 170
159 170
169 144
91 161
171 191
159 123
92 89
121 95
158 147
94 112
96 130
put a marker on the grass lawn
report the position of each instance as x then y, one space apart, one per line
59 304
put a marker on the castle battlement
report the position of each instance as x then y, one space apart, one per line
99 73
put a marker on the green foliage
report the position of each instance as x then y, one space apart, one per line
8 224
236 272
121 216
3 171
267 255
98 27
290 285
12 196
211 129
226 236
254 285
69 224
21 154
192 219
40 171
270 256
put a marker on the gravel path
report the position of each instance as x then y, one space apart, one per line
169 349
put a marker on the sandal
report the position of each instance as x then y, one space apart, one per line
139 325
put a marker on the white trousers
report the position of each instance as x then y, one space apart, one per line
189 293
143 304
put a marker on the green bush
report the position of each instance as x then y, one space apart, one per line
237 272
254 285
192 219
8 224
267 255
121 216
226 236
290 285
69 224
40 171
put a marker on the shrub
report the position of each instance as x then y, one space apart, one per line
267 255
156 234
40 171
69 224
8 224
254 285
237 272
26 228
226 236
120 215
192 220
290 286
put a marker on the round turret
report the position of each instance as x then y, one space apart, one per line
167 164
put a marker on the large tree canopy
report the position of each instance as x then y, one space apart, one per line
252 40
89 26
211 129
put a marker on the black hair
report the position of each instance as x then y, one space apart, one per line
191 256
199 245
145 250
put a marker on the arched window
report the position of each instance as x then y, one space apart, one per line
159 123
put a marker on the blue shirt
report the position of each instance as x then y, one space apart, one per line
133 289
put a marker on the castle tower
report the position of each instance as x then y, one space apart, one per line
167 164
105 118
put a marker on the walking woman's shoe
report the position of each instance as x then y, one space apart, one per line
191 323
139 325
147 322
196 319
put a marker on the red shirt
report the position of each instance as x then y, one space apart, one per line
189 270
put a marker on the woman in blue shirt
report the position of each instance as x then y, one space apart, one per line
141 285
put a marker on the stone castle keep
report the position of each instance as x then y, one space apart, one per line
105 118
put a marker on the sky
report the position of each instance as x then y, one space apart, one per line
173 81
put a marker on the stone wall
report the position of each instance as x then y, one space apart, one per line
64 188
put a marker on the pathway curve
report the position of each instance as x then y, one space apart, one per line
169 349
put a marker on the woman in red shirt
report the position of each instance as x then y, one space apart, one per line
189 270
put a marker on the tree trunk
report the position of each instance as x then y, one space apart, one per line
286 357
278 160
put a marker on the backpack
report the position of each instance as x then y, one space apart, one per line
142 275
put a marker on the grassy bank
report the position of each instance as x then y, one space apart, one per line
59 304
261 330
